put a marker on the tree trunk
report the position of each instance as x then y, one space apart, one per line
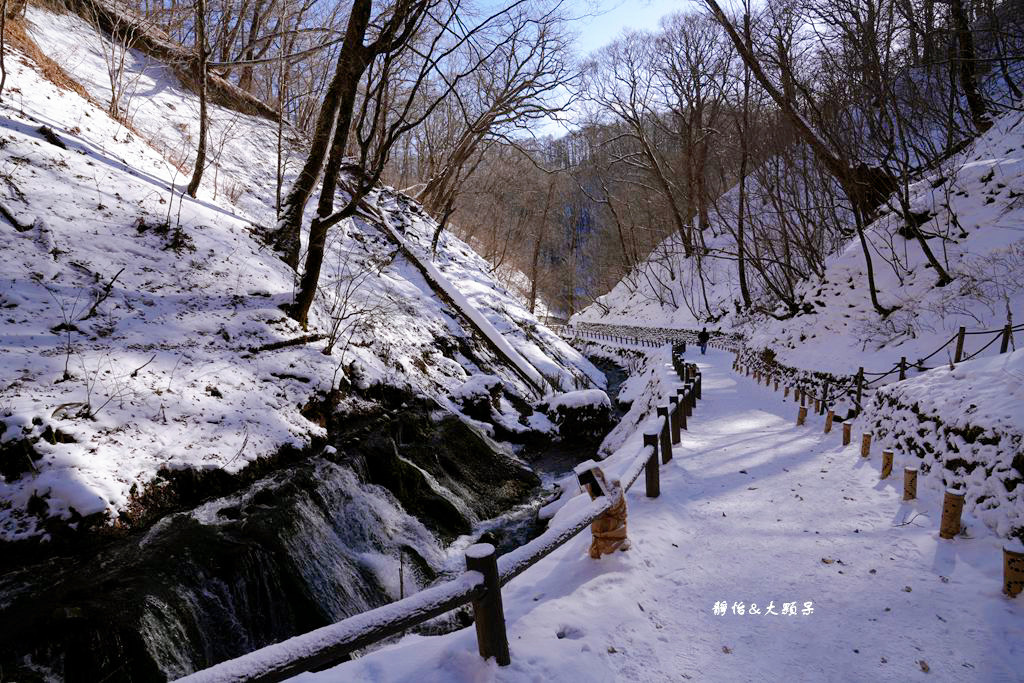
859 221
197 172
3 48
319 227
866 187
967 63
744 154
286 238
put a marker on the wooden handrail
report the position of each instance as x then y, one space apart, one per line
327 645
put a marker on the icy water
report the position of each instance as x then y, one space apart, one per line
387 514
557 459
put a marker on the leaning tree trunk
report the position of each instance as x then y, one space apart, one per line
865 186
320 226
286 238
197 172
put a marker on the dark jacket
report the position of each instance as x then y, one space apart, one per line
703 336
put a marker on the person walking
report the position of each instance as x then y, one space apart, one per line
702 339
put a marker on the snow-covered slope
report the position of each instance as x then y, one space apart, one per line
976 198
962 427
142 330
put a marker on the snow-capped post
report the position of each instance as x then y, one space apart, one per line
608 530
803 397
846 433
865 445
828 420
824 398
673 412
1007 333
688 404
909 483
903 368
886 464
666 439
1013 568
817 406
776 384
959 344
488 612
652 476
952 506
801 416
785 392
681 406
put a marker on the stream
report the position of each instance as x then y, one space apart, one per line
384 513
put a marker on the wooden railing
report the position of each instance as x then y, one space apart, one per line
822 388
480 585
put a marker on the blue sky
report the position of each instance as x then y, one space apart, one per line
616 15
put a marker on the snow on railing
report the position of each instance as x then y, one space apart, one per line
486 573
330 643
825 389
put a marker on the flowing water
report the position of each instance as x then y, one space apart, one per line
331 536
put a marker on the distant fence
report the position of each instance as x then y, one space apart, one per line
825 389
480 585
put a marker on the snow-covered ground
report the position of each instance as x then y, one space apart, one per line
136 321
823 571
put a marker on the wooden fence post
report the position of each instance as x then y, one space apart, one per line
488 613
828 420
688 403
1007 332
865 445
909 483
1013 569
959 344
952 506
652 475
698 382
886 464
681 406
801 416
666 438
673 411
846 433
903 367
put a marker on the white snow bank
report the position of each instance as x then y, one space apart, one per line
573 400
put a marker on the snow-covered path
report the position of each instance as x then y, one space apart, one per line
753 510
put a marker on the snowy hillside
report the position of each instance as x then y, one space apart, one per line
142 330
976 198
